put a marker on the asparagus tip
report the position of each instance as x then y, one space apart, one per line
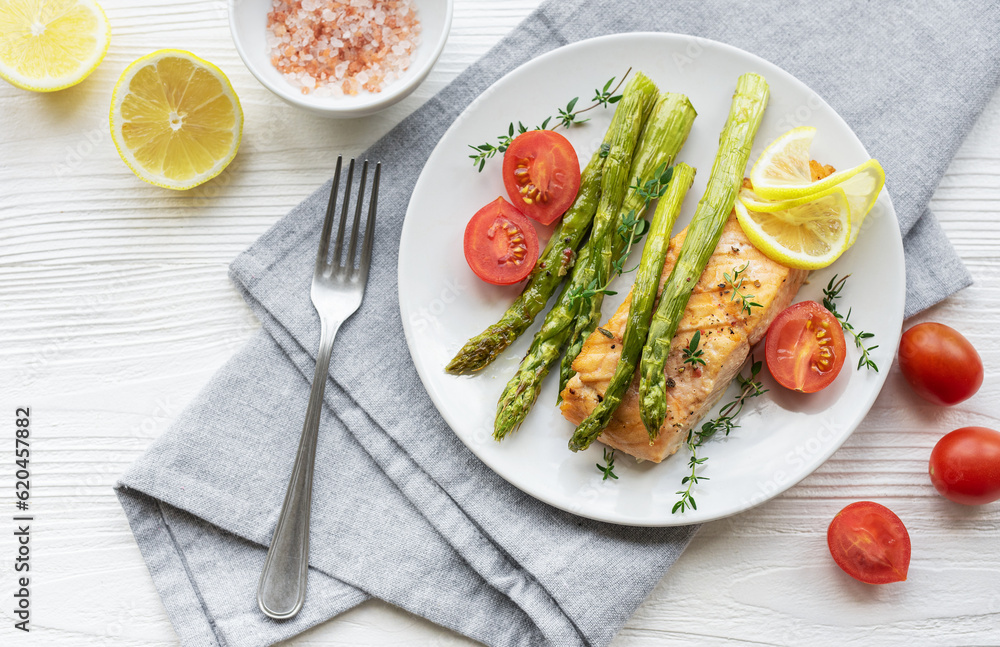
653 409
578 444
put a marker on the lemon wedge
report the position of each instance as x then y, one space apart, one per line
803 234
48 45
175 119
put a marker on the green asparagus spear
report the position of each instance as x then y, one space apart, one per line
663 136
553 263
638 100
647 281
522 390
703 235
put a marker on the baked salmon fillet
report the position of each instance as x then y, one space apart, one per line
727 334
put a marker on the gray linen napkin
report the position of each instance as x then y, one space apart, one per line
402 510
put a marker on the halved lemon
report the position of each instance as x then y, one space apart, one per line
48 45
175 119
807 236
861 185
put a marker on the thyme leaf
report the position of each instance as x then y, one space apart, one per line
692 355
608 468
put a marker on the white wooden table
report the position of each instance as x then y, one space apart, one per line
116 309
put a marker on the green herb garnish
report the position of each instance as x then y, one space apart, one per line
736 281
567 117
692 355
608 468
750 387
830 294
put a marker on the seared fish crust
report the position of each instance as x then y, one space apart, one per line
727 334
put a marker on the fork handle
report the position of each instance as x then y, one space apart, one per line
282 588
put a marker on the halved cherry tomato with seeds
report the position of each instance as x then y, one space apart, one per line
501 245
870 543
805 347
541 173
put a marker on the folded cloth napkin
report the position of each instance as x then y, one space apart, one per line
402 510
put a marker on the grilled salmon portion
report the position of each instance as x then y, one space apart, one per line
727 333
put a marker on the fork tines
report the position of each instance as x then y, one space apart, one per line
348 263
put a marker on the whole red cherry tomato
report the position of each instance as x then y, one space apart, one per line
940 364
965 465
870 543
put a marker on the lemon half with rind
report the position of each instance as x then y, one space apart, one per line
807 236
49 45
175 119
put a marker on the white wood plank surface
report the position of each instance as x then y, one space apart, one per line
115 309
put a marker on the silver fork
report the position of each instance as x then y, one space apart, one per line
337 290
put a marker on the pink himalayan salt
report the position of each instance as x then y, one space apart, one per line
333 48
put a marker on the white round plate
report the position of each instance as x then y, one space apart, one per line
783 436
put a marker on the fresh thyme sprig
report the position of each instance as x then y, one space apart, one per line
736 281
750 387
605 96
485 151
830 295
589 292
656 186
602 98
632 229
567 117
633 226
692 355
609 467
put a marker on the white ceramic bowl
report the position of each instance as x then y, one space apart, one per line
248 24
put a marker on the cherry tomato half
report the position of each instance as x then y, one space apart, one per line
965 465
870 543
542 174
501 245
940 364
805 347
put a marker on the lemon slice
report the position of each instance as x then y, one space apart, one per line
807 236
48 45
175 119
861 185
782 173
782 170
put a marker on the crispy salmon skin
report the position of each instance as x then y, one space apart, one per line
727 334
